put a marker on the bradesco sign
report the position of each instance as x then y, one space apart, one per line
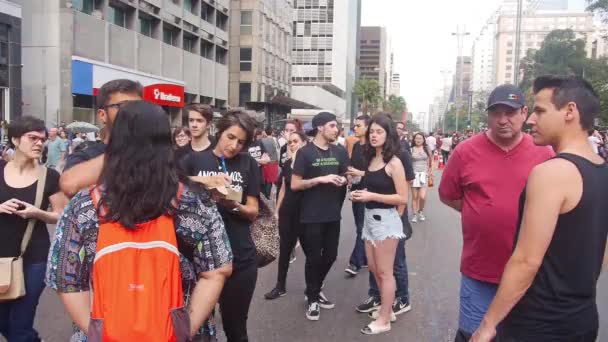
171 95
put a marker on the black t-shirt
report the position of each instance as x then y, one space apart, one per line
291 199
322 203
359 162
244 172
256 150
283 155
83 152
12 227
181 152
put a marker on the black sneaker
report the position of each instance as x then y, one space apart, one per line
313 312
325 303
401 306
351 270
370 304
275 293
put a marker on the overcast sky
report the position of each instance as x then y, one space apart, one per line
420 35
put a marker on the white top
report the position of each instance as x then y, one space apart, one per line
446 144
431 142
594 142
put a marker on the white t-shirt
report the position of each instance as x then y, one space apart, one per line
431 142
446 144
594 142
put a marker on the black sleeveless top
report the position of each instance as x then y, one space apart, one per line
561 302
380 183
291 199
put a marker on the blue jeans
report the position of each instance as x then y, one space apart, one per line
17 317
400 273
475 298
358 257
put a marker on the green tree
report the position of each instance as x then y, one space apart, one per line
600 7
368 93
395 105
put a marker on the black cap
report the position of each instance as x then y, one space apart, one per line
321 119
508 95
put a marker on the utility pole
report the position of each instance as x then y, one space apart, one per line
460 39
517 42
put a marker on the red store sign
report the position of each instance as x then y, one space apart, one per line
171 95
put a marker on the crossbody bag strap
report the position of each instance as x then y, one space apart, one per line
37 203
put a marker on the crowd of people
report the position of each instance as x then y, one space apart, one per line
145 248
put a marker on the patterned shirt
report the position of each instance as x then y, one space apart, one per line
198 226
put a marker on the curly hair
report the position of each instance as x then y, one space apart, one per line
139 173
391 146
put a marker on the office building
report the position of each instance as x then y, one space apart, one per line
324 54
10 60
177 49
535 27
396 84
462 78
373 51
260 50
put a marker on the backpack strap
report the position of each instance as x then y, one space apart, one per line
38 204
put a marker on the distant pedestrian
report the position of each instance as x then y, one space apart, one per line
181 137
446 147
548 289
423 170
57 151
483 180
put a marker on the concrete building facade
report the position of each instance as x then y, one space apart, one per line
396 84
373 51
10 60
260 50
535 27
324 54
178 49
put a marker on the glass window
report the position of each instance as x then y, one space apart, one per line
246 22
189 5
170 36
117 16
244 93
245 59
221 55
84 6
206 49
145 26
221 21
207 12
189 43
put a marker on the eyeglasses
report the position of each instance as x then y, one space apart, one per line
118 105
35 139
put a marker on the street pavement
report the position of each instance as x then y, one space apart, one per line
433 258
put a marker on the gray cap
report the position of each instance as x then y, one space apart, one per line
508 95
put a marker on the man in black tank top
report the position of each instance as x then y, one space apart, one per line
548 289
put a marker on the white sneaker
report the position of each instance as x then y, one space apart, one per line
415 218
421 217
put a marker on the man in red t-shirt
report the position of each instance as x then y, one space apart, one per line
483 181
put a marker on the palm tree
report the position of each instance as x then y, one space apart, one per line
395 105
368 93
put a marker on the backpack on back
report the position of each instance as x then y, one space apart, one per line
137 282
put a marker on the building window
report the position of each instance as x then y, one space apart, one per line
84 6
508 76
170 35
244 93
206 100
510 44
220 103
221 20
246 59
190 5
190 43
509 67
206 49
509 60
246 22
207 12
509 52
145 26
221 55
117 16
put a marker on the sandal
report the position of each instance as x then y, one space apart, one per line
372 329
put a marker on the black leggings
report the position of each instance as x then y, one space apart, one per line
235 301
289 230
320 244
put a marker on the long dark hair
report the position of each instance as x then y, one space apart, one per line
391 145
139 173
237 118
424 146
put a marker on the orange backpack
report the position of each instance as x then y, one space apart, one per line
137 282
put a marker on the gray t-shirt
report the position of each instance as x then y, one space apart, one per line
56 147
420 160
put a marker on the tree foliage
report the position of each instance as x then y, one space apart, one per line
395 105
563 54
600 7
368 93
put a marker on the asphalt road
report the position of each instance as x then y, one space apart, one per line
433 257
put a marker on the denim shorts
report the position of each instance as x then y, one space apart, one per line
382 224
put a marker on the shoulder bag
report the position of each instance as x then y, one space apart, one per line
12 281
